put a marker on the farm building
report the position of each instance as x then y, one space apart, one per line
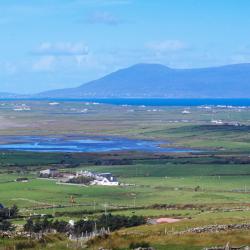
51 172
104 179
22 179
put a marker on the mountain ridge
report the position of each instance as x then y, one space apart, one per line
8 95
158 81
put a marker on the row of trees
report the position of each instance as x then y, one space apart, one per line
115 222
109 221
5 215
9 213
81 180
6 225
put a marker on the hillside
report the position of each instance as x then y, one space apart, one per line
8 95
155 80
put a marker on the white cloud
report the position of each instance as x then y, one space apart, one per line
103 17
62 49
61 55
167 46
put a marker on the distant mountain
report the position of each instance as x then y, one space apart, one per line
155 80
8 95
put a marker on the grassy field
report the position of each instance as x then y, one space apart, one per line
211 186
168 123
147 190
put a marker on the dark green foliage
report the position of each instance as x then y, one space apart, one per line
82 227
115 222
37 226
60 226
109 221
6 226
9 213
5 215
29 226
81 180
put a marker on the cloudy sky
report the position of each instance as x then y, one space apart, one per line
48 44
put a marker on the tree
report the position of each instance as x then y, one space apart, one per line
83 226
14 211
114 222
8 213
60 226
29 226
45 225
6 226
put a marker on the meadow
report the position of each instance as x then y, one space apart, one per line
210 186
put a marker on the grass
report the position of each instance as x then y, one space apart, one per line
170 169
52 242
148 191
221 170
121 240
161 236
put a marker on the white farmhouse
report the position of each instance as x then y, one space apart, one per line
51 172
217 122
103 179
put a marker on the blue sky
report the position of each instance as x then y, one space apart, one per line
48 44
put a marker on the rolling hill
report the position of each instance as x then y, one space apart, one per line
8 95
155 80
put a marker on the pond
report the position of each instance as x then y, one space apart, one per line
83 144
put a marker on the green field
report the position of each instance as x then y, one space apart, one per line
148 191
211 186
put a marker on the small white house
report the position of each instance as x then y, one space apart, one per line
186 112
51 172
102 179
217 122
53 103
105 182
105 179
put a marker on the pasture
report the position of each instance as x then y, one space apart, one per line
211 186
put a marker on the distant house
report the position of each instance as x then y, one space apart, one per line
108 176
47 173
104 179
68 175
217 122
22 179
186 112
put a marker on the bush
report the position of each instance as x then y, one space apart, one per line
81 180
9 213
115 222
6 226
